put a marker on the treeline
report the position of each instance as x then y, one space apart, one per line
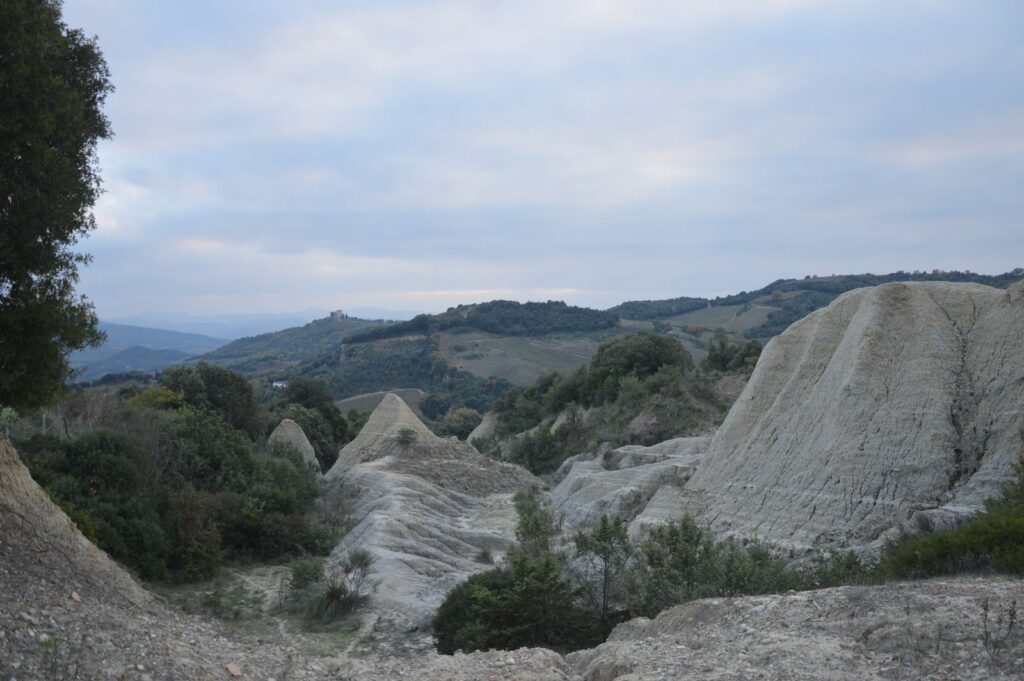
504 317
657 309
571 597
176 478
832 286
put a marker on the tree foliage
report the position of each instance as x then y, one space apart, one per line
528 602
503 317
53 83
171 489
605 552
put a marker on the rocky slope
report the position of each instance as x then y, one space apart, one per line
426 507
925 630
896 409
622 482
67 612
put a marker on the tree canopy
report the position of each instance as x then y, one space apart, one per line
53 82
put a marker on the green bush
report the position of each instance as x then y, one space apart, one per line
344 592
992 541
682 561
306 570
528 603
176 490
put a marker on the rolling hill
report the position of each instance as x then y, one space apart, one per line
138 348
473 354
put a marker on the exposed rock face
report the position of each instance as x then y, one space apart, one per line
290 433
896 408
485 428
621 482
426 507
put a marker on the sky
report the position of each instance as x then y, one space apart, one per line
278 156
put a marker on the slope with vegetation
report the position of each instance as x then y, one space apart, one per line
792 299
505 317
640 388
177 478
278 350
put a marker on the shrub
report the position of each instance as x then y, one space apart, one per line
305 571
681 561
992 541
345 592
527 604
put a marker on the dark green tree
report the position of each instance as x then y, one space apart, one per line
605 551
53 83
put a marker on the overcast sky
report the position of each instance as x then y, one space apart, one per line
276 156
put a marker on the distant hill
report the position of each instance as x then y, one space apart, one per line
505 317
473 354
784 301
279 350
139 348
228 326
135 358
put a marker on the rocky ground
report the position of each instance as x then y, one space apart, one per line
927 630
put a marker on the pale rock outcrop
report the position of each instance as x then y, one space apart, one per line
910 630
290 433
485 428
897 408
621 482
425 507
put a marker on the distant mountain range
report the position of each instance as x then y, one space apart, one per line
234 326
137 348
229 326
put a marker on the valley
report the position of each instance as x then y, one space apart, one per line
428 512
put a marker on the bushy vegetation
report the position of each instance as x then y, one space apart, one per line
990 542
504 317
658 309
529 601
724 355
309 403
175 479
571 598
682 561
640 373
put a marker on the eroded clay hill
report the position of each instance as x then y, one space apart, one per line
896 408
290 433
426 508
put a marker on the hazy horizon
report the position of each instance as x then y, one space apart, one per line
270 158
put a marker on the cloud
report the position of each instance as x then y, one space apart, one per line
275 155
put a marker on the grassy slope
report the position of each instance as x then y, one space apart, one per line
279 350
521 359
